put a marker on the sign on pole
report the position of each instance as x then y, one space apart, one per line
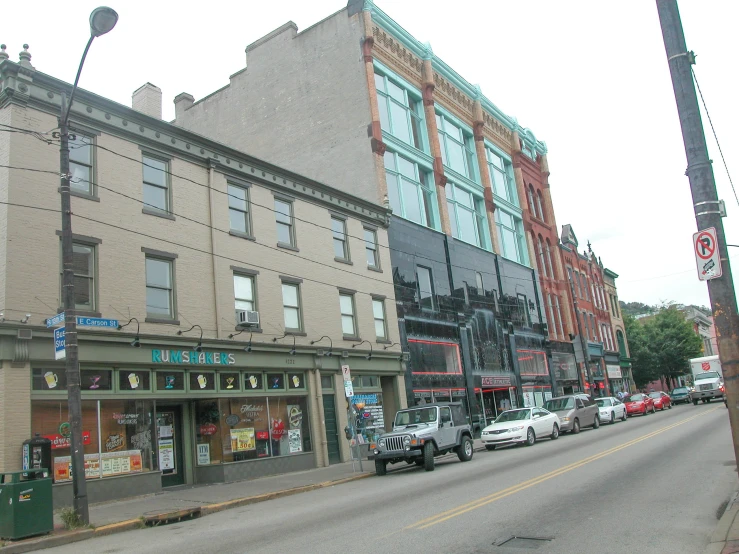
707 255
96 322
54 321
348 389
60 352
346 373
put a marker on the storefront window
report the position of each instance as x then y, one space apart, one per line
536 396
96 379
49 379
434 357
289 430
124 428
133 381
564 366
208 431
243 430
202 380
370 420
170 380
253 381
229 382
275 381
532 362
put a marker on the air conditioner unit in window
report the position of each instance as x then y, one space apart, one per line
247 318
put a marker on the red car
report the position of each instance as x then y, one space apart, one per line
639 404
661 400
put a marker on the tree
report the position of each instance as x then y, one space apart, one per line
635 308
662 345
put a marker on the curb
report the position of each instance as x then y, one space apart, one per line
725 537
50 541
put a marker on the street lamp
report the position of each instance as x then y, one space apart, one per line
102 20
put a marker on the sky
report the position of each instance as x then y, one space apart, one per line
589 78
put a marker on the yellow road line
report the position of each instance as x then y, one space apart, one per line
464 508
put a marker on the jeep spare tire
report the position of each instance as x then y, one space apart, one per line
465 450
428 456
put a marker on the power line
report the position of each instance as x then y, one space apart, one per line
715 136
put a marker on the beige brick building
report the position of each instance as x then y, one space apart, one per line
178 237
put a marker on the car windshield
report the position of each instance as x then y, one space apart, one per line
655 395
513 415
679 390
634 398
413 417
559 404
602 402
707 375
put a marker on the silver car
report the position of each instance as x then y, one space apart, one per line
575 411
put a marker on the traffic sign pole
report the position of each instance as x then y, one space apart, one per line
705 204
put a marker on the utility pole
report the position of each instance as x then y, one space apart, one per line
74 397
582 339
705 202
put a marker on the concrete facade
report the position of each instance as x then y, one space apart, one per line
115 220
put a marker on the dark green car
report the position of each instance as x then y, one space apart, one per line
680 394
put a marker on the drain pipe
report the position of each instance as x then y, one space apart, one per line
321 416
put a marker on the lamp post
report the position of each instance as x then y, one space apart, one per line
102 20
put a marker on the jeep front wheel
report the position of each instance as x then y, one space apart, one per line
381 467
464 450
428 456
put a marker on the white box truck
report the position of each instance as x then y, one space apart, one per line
708 379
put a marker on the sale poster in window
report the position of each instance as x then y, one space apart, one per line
295 441
242 439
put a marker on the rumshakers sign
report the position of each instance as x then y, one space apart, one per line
190 357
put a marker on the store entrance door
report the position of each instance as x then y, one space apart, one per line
332 428
169 438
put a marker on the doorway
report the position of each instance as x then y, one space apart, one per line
332 428
169 440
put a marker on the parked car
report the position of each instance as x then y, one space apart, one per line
679 395
574 411
422 433
520 426
610 409
661 400
639 403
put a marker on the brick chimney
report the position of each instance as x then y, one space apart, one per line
148 100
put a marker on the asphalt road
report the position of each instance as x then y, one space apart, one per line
650 484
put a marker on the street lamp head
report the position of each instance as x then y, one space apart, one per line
102 20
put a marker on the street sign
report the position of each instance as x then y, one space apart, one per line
59 343
346 373
348 388
96 322
54 321
707 255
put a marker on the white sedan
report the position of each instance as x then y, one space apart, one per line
610 409
523 425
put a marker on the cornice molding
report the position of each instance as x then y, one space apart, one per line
44 93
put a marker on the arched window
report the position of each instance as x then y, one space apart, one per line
621 344
552 323
543 265
548 253
532 206
540 205
479 283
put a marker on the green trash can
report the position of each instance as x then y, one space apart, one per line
25 504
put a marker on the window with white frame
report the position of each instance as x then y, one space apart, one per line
500 177
291 306
552 322
542 263
558 313
84 267
548 252
285 222
540 205
466 214
409 190
338 229
509 233
348 317
244 297
160 288
530 196
523 310
81 158
156 185
378 313
238 209
457 150
479 283
401 113
370 247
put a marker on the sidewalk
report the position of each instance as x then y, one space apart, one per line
725 538
187 502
